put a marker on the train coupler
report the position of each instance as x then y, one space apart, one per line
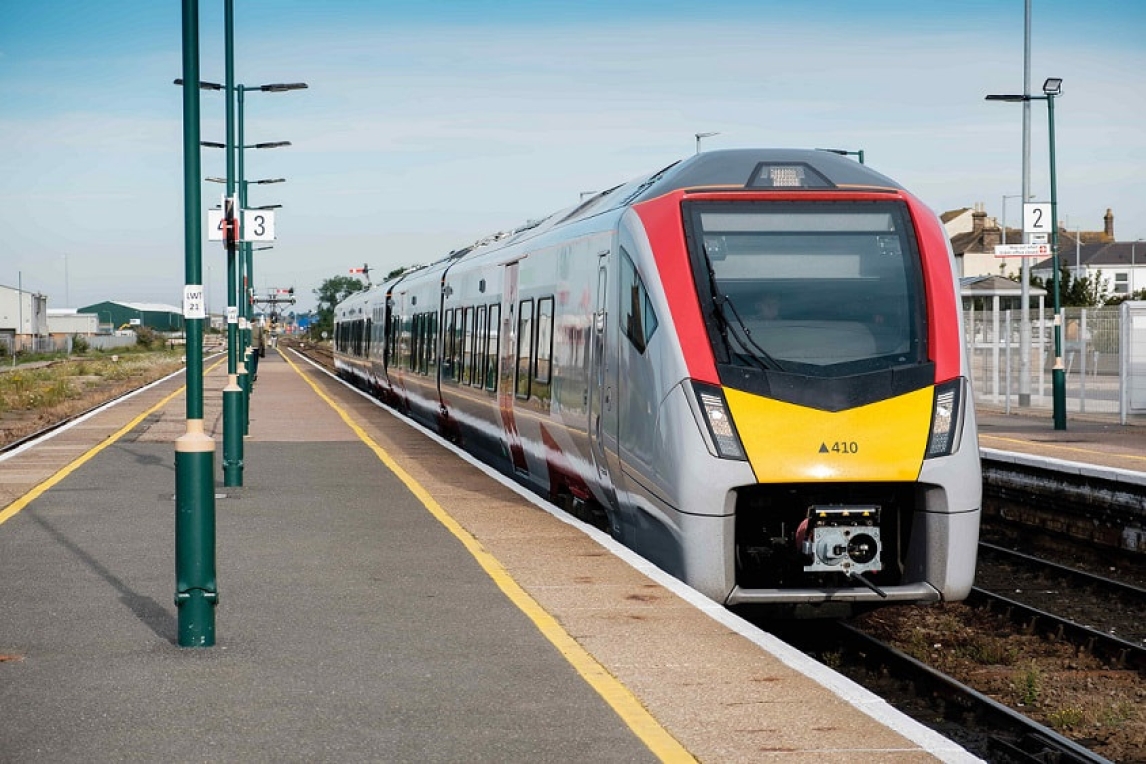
841 539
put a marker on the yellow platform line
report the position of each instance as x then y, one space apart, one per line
617 695
15 507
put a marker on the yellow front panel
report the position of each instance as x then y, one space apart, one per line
788 443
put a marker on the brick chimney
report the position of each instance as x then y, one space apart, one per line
978 219
1108 225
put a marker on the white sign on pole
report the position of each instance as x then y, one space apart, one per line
214 225
1022 250
193 304
258 225
232 314
1037 217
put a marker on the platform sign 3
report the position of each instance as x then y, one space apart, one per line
258 225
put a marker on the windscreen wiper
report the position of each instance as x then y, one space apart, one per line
742 335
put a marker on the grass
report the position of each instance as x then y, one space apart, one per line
35 388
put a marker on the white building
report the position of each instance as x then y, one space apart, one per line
23 316
65 322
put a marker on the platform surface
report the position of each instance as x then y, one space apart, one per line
382 599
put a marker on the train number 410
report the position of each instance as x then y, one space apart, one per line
840 447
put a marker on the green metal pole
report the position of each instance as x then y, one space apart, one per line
196 590
248 381
1058 373
233 420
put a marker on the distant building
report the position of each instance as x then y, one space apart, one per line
66 322
156 316
974 236
23 314
1119 265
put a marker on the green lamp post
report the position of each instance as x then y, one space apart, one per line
1052 89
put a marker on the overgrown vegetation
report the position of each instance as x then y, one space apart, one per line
49 385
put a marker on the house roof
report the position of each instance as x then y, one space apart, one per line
1114 254
950 215
995 286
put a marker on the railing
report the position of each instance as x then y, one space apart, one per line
1099 378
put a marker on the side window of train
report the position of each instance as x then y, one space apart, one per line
477 379
465 350
525 348
415 332
392 341
638 319
542 371
492 345
448 344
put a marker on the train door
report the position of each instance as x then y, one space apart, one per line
602 413
506 388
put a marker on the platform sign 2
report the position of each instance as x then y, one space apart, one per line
1037 217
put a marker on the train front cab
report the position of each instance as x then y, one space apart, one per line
838 377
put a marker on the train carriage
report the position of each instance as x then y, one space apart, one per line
747 367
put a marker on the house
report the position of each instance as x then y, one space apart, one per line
974 236
1120 266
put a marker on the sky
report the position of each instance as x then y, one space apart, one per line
428 125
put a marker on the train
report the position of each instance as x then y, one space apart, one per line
747 366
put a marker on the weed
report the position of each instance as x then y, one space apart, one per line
1067 718
1028 685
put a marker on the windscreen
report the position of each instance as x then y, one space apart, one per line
816 288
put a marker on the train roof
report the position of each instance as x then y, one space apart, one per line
762 169
721 170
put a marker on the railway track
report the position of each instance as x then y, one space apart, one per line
981 724
1110 608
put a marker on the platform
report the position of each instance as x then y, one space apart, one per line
382 599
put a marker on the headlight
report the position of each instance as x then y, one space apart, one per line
720 425
945 419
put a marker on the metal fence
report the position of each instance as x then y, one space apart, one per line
1103 350
64 344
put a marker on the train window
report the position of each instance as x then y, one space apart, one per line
405 357
448 345
493 336
392 341
542 371
468 332
638 319
822 288
417 337
480 330
525 348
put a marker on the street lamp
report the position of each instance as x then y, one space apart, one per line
844 153
700 136
1052 88
1005 198
1133 257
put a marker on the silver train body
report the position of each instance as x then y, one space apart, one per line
747 367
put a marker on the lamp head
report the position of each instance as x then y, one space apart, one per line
1053 86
